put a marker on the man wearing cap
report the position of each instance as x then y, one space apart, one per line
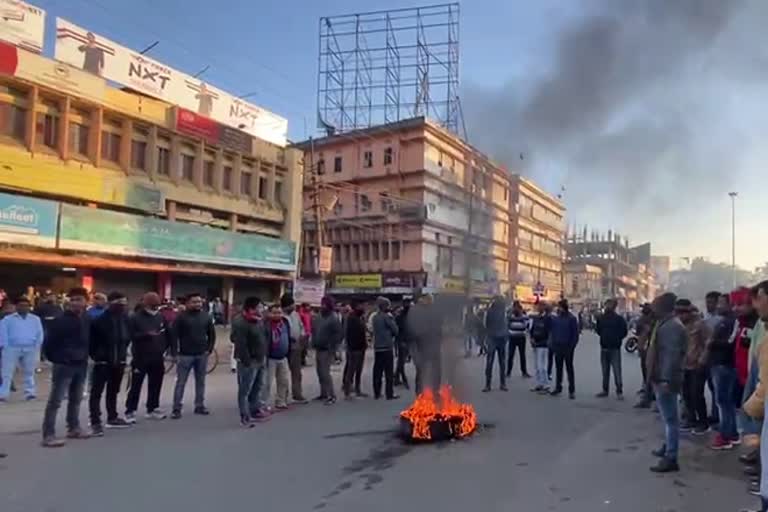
326 337
108 350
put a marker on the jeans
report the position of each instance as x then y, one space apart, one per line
383 365
278 371
250 379
66 380
323 360
711 385
517 343
184 365
24 357
469 341
353 371
564 357
541 355
667 402
103 376
496 346
693 396
154 371
610 358
724 378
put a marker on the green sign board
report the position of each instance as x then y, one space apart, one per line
90 229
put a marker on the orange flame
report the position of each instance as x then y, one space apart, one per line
426 410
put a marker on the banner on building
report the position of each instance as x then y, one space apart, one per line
90 229
357 281
105 58
189 123
28 221
22 25
308 290
56 75
326 259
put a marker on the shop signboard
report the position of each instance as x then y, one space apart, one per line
28 221
326 259
308 290
357 281
22 25
98 55
189 123
90 229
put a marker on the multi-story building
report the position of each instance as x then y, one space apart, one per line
401 198
584 285
117 191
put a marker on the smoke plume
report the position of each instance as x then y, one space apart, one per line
641 110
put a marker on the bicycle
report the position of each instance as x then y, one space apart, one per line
211 365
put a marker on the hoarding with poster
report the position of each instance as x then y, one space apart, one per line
103 57
308 290
22 25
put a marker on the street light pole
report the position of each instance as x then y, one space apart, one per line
733 196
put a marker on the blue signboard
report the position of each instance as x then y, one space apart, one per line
28 221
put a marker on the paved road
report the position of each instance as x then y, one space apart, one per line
536 454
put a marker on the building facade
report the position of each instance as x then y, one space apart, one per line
397 202
113 190
584 285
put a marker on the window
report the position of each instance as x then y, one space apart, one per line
208 169
336 254
279 192
338 208
368 159
187 167
262 187
365 203
386 204
14 121
385 251
356 252
388 156
226 178
139 154
395 251
506 194
78 138
163 161
346 252
321 167
47 132
366 252
375 251
337 163
246 179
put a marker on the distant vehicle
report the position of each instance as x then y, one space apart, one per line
630 345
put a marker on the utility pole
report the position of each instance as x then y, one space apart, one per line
733 196
316 204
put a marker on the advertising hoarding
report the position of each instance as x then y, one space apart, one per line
28 221
22 25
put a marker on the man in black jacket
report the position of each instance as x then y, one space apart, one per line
195 340
403 344
249 337
612 329
108 349
356 345
150 337
66 346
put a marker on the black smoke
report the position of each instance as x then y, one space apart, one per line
639 110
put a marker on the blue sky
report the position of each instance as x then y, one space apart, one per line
270 49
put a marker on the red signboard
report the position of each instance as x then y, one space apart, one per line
190 123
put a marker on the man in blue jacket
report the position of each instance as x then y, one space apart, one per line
21 335
564 337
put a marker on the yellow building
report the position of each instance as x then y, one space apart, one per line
116 191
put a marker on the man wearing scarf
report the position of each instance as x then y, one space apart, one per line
278 334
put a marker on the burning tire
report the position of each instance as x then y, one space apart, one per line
440 418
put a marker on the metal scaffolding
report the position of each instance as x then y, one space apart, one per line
383 66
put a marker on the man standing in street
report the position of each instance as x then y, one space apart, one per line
612 329
563 341
517 323
48 310
195 339
66 346
356 346
298 344
278 333
21 336
498 334
108 349
403 344
384 334
712 318
326 337
723 371
248 337
541 328
694 374
98 307
643 330
666 355
150 337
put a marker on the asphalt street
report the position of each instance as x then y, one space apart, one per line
533 453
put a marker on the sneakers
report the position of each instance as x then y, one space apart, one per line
30 398
752 457
526 376
360 394
721 443
665 466
260 416
752 470
503 387
487 389
246 422
700 430
736 441
281 407
754 488
300 400
52 442
330 400
536 389
572 396
77 434
97 431
686 427
202 411
602 394
660 452
393 397
118 423
620 397
176 414
157 414
556 392
130 418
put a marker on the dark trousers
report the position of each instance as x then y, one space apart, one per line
517 343
403 352
109 377
384 364
550 363
610 359
66 380
564 357
353 371
154 371
429 370
184 366
693 396
496 346
294 363
715 414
